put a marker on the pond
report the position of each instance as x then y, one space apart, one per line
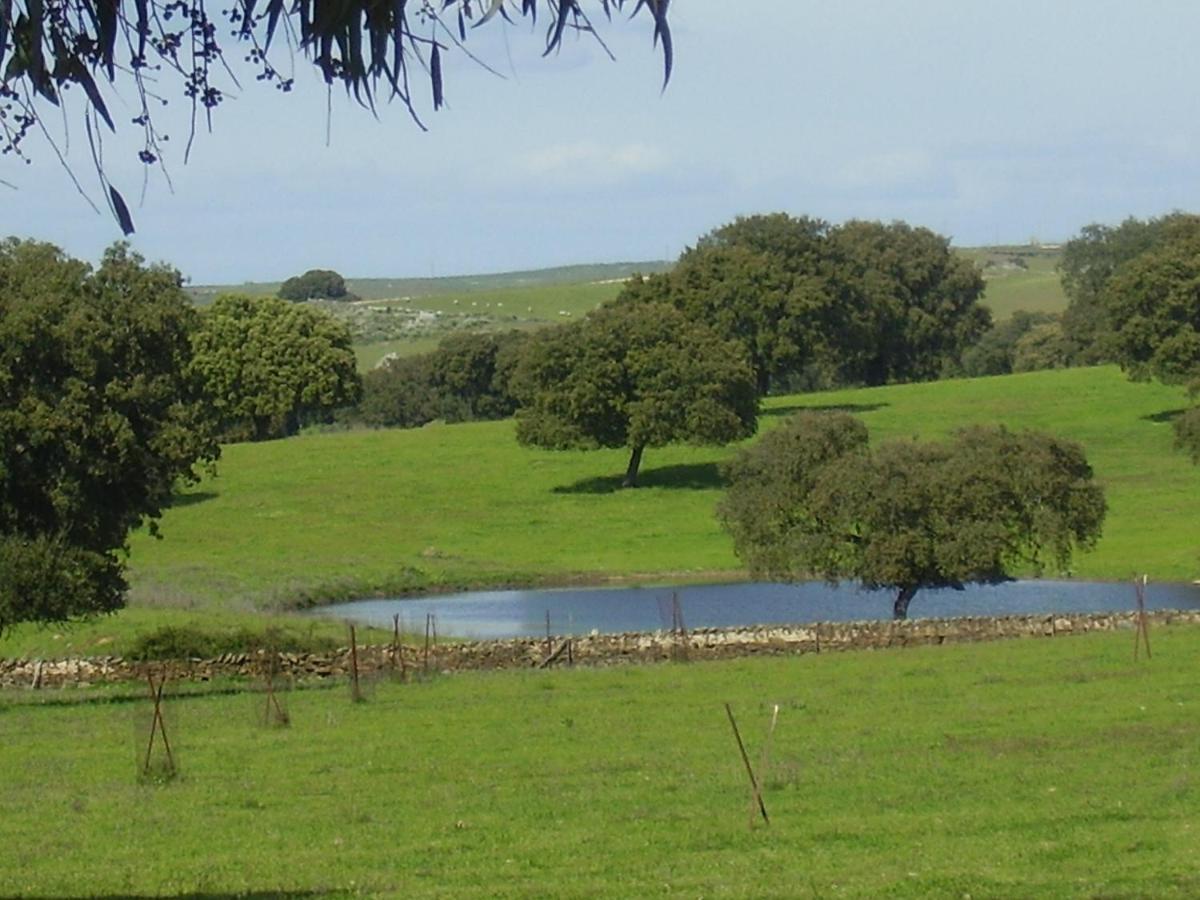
522 613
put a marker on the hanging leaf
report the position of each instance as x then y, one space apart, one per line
497 6
143 27
274 9
5 13
106 12
662 32
247 16
81 75
564 11
435 76
122 211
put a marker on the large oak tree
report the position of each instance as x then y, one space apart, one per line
270 366
633 376
100 418
812 498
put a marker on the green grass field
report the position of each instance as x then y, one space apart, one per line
1041 768
1035 288
464 503
340 515
533 306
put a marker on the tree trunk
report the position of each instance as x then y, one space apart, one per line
631 473
900 607
763 379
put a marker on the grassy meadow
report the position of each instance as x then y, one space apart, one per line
463 504
1036 288
1047 768
376 512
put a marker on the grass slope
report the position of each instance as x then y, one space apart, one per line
1019 769
374 512
461 504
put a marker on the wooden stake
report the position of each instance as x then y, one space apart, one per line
355 692
549 646
157 725
678 629
428 625
1141 631
755 792
274 709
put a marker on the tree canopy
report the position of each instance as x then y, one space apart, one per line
100 417
270 366
1152 305
633 376
812 498
316 284
861 302
1090 261
468 377
376 51
917 300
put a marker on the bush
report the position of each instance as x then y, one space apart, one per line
995 352
46 579
400 394
1187 433
1042 347
467 378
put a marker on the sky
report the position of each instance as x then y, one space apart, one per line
988 124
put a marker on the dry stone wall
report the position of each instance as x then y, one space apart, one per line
591 650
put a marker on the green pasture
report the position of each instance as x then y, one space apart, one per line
367 356
360 513
540 303
373 511
1036 768
1035 288
531 306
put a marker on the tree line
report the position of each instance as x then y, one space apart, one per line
114 390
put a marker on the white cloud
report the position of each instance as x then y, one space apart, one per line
591 162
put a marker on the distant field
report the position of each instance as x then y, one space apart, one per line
1019 277
535 298
421 288
1035 768
505 308
370 510
368 356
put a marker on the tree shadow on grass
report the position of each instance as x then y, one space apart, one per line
687 476
851 408
1167 415
193 498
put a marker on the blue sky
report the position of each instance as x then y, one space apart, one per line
988 124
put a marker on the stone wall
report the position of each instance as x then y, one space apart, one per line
591 650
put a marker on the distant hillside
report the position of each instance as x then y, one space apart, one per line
395 288
1023 276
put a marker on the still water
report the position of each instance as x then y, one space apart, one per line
522 613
